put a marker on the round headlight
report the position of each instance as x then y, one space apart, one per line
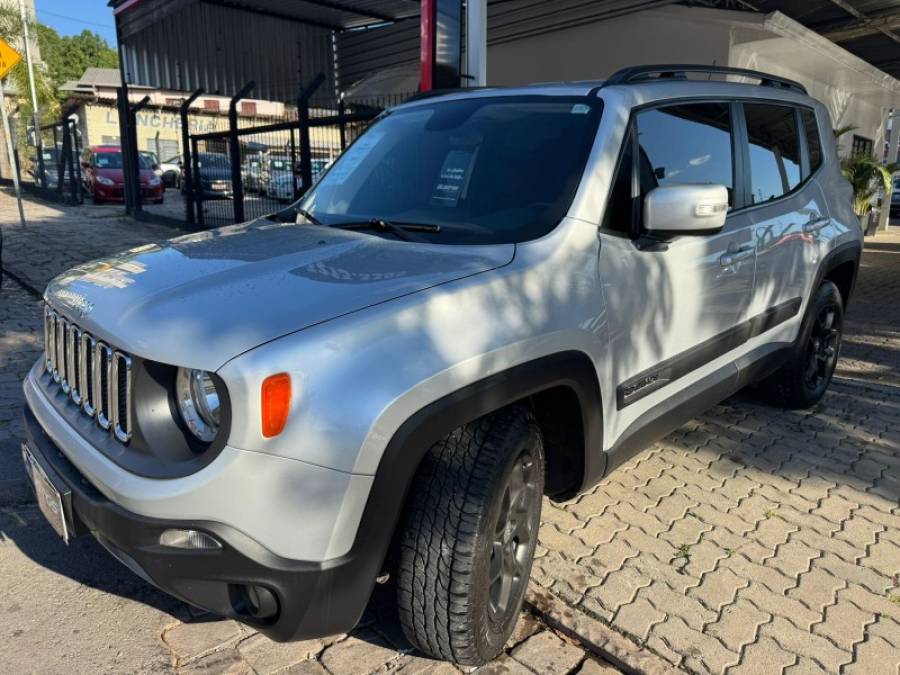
198 402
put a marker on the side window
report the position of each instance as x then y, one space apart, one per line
679 144
862 146
774 150
813 141
689 143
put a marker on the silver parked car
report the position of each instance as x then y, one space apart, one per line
489 297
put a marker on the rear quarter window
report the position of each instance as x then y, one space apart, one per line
813 141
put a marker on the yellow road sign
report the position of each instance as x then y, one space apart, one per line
9 57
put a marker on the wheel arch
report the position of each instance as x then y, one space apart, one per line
546 383
840 266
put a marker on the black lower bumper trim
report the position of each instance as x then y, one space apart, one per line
311 599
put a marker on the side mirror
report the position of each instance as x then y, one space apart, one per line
688 209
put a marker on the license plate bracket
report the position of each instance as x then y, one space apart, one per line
53 497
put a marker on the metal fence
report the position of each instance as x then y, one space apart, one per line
254 169
220 171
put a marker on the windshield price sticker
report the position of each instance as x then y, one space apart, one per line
452 178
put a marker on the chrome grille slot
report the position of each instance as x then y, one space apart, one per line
95 377
49 348
121 387
103 402
57 348
86 373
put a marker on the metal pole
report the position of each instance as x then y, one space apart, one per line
34 104
186 165
133 157
342 112
884 218
427 30
12 154
476 42
76 163
305 144
198 191
237 183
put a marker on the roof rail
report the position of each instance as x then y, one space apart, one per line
637 74
431 93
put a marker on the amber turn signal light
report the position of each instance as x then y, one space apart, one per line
276 403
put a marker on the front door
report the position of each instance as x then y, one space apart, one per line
675 309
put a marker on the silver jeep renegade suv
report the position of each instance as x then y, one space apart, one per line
492 296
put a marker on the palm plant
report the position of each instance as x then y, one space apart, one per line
867 176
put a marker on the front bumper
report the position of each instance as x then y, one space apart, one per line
308 599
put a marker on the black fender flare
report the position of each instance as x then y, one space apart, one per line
850 251
408 446
416 436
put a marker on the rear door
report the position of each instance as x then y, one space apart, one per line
679 306
787 207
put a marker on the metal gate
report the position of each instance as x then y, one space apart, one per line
245 172
56 171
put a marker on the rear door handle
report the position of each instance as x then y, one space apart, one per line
815 224
730 259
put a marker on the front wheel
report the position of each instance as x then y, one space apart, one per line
469 536
803 380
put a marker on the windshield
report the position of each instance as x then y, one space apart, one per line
280 164
486 170
113 160
214 160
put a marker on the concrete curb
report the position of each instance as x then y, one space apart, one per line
595 636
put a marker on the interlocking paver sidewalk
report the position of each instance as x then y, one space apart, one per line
756 540
752 540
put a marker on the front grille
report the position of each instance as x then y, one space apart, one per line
93 375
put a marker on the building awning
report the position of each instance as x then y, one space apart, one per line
869 29
330 14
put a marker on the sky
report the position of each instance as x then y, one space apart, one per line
70 17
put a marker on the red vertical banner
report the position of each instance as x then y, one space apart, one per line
427 37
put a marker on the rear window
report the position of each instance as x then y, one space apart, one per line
486 169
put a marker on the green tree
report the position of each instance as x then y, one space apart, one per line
67 57
12 31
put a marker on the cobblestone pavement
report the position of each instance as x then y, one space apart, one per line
756 540
75 609
750 540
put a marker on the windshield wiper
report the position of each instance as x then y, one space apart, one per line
399 230
310 217
289 215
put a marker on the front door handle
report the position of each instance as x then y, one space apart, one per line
815 224
734 257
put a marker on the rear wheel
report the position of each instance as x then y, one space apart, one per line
803 380
469 536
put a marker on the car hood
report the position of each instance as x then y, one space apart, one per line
114 175
211 173
202 299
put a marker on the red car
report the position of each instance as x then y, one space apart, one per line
103 176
